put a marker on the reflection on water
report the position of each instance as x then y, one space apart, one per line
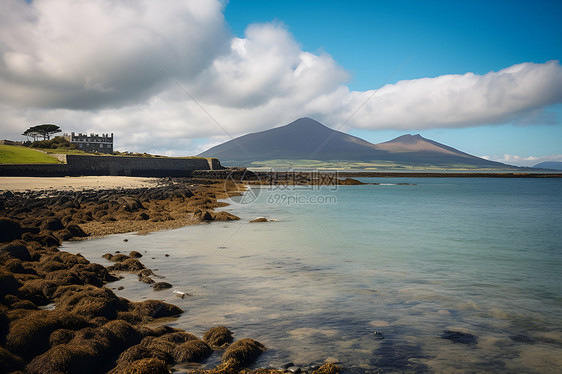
374 280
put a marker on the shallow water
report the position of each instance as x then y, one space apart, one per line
476 255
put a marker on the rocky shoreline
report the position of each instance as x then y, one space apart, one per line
58 316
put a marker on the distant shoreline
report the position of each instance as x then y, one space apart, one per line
415 174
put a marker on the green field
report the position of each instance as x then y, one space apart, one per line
12 154
359 165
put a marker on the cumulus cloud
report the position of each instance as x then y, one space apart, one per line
172 79
89 55
463 100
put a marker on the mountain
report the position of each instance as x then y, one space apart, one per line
554 165
307 139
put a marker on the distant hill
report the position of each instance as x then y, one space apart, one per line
554 165
307 139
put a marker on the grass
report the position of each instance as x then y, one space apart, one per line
66 151
13 154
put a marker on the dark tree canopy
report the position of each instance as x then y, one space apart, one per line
45 131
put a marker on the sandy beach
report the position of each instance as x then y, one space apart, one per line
17 184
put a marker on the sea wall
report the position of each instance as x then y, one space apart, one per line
114 165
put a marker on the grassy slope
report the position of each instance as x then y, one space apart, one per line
11 154
357 165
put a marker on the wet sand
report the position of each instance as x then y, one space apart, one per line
74 183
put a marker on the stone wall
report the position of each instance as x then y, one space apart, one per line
78 165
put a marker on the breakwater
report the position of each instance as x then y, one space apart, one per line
78 165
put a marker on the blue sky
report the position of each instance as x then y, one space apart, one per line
371 39
180 76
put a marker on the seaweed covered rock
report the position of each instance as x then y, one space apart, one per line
9 230
8 283
161 286
64 358
143 366
89 301
224 216
243 352
61 336
40 291
192 351
178 337
64 277
134 353
160 348
154 309
4 326
9 362
88 350
328 369
52 224
121 334
15 250
130 265
29 335
76 231
218 337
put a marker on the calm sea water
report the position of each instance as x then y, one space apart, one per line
371 276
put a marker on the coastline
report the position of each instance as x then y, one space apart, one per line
60 300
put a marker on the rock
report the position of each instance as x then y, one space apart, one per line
287 365
52 224
154 309
243 352
146 279
29 335
9 362
206 216
178 337
218 337
161 286
259 219
119 258
224 216
349 182
459 337
76 231
131 265
18 251
294 369
328 369
9 230
8 283
135 254
144 366
192 351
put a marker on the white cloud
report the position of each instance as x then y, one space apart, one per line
523 160
134 68
463 100
89 55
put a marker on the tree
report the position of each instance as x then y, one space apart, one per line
45 131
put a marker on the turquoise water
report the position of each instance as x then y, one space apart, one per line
478 256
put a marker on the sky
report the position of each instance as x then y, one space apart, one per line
180 76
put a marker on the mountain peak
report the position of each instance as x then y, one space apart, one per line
406 139
308 139
305 122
